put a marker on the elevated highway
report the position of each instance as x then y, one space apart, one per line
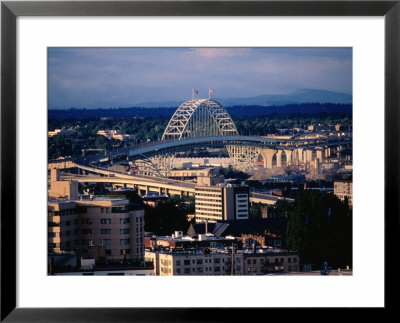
156 184
160 147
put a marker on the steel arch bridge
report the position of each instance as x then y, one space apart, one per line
207 118
199 118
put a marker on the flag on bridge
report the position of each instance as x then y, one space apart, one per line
209 93
194 92
211 90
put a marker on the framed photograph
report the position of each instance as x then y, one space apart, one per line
78 57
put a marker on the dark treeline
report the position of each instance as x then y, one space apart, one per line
305 108
319 228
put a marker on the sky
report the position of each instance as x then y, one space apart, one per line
122 77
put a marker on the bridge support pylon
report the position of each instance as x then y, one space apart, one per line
300 155
279 158
268 155
288 153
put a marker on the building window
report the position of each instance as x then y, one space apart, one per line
178 263
87 221
124 231
187 262
261 261
217 261
105 231
254 269
289 268
289 260
186 270
254 261
249 269
178 271
199 269
124 221
217 269
106 242
295 260
86 231
105 221
124 241
108 252
199 261
249 261
85 242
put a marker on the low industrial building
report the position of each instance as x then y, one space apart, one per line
260 231
343 187
115 134
218 261
180 241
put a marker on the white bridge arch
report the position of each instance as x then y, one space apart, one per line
199 118
206 118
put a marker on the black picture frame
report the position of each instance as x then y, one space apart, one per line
10 10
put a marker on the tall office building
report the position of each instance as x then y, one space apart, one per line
216 201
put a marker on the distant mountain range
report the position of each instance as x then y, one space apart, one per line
296 97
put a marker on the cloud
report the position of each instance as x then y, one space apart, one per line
221 52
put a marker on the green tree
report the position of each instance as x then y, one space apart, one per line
320 229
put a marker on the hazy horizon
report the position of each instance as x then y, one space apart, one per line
122 77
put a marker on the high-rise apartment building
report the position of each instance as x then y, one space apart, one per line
105 227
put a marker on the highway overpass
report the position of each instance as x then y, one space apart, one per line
147 184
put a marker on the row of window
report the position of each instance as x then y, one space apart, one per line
266 260
62 212
102 221
86 242
106 242
118 209
199 209
211 203
200 261
202 215
208 195
198 270
105 231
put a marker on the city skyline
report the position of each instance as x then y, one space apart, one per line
121 77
